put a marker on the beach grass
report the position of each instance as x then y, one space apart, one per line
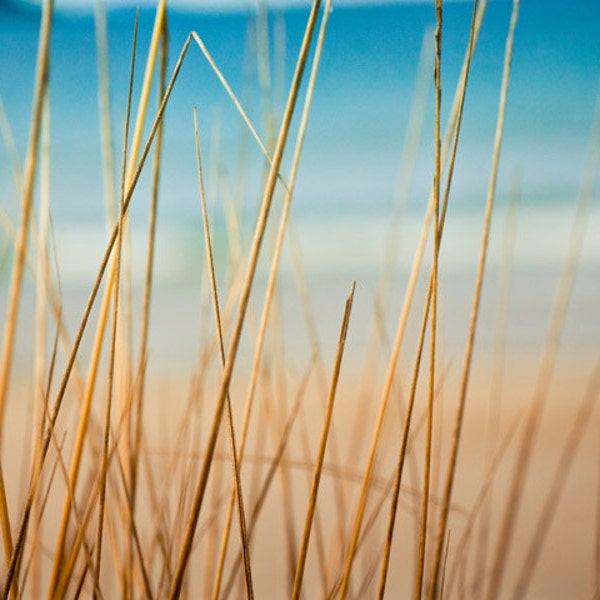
137 480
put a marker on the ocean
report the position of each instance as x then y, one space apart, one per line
354 173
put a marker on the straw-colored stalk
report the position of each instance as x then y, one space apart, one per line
434 302
10 323
218 326
312 502
115 324
88 309
475 307
269 293
139 405
40 90
243 304
451 134
42 277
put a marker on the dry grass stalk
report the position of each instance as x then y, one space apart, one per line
115 320
321 452
40 90
269 294
31 162
434 302
475 307
243 304
86 314
215 299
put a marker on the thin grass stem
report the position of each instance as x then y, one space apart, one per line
475 307
243 304
434 308
321 452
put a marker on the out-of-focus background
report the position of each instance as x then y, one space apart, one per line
364 181
354 170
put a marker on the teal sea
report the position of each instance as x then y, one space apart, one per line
354 161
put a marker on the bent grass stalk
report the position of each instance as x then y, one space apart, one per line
274 266
215 299
243 304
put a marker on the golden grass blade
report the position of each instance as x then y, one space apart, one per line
6 531
138 407
243 304
321 453
548 358
40 89
92 297
157 32
451 136
475 307
42 285
269 293
275 463
124 347
215 298
148 276
434 301
402 454
41 82
115 319
546 515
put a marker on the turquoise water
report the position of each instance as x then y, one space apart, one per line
351 165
